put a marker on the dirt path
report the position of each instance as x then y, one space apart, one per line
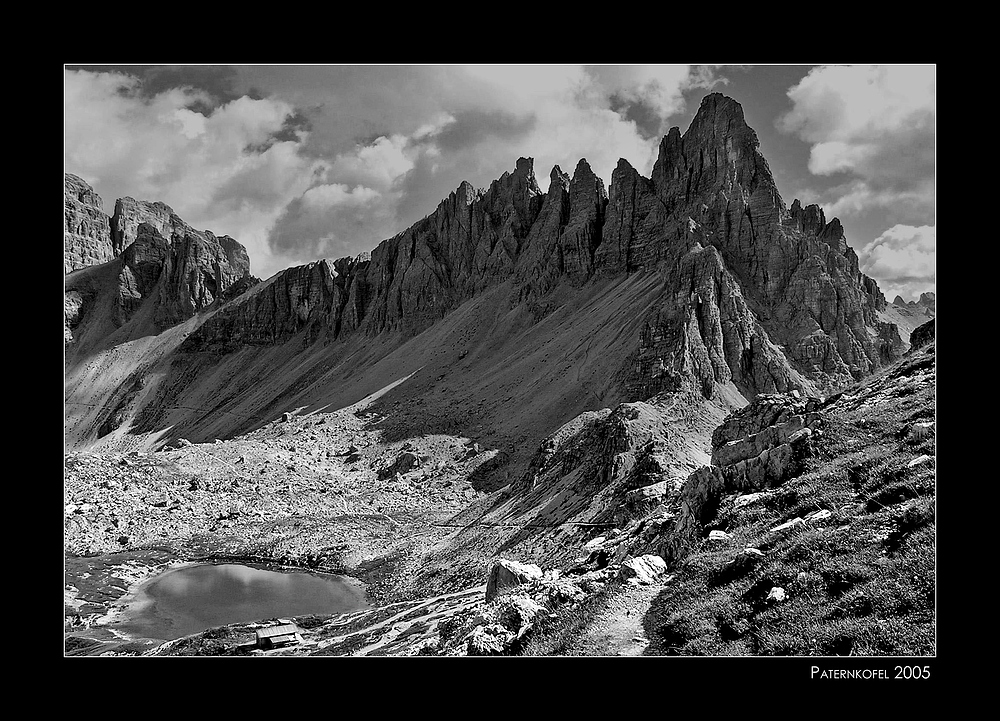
617 629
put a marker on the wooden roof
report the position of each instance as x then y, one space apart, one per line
288 628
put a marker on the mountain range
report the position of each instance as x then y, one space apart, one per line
581 353
698 277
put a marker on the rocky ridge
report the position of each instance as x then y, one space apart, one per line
87 239
923 334
155 255
927 302
733 295
762 297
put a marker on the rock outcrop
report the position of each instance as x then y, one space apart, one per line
645 570
758 447
153 256
735 294
799 278
317 296
922 335
186 269
87 239
925 304
505 574
131 213
757 296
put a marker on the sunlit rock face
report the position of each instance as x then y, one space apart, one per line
738 294
757 295
87 238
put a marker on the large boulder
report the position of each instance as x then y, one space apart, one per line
506 574
646 569
404 463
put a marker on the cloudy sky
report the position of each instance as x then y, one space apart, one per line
306 162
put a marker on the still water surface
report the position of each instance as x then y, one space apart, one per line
191 599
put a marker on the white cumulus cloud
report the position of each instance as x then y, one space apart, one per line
902 260
215 169
875 124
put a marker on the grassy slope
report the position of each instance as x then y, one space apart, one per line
860 581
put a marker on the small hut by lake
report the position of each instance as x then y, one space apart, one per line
284 634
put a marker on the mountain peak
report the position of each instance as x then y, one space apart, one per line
719 110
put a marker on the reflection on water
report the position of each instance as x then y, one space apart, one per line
187 600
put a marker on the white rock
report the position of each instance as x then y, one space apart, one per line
718 536
818 515
644 569
802 433
786 525
509 574
747 499
594 543
918 460
921 430
777 594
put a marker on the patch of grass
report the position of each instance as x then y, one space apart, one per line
860 582
222 641
218 633
853 603
805 546
75 644
737 568
914 517
841 575
312 621
783 500
554 635
755 597
686 635
765 642
891 495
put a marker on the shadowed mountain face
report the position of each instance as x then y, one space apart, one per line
504 313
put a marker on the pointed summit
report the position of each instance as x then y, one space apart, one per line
716 105
558 179
586 183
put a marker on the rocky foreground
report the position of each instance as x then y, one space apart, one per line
810 532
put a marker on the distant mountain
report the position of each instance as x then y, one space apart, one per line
505 313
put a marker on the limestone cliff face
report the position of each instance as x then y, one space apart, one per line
704 333
185 270
469 243
131 213
564 238
87 238
155 255
799 278
317 296
922 334
755 297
